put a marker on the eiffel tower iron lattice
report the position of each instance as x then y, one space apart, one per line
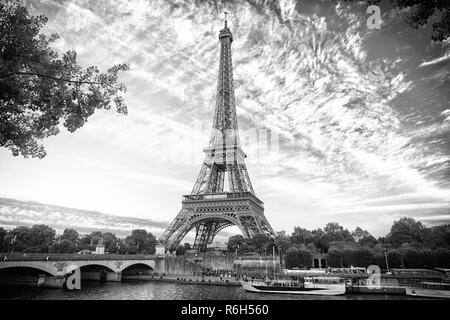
209 208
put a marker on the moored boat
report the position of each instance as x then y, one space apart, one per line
330 286
430 290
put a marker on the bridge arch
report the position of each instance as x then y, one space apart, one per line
150 264
33 265
27 269
138 268
93 263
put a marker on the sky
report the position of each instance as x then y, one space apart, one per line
340 123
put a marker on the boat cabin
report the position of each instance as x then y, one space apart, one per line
324 280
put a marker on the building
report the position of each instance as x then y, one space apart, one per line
217 246
100 249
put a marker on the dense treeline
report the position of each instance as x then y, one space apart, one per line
42 238
409 244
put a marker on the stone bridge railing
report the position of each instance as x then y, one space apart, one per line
71 257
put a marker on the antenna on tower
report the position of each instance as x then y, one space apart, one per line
226 13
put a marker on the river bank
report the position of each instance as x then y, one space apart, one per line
186 279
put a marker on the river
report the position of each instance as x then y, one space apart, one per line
146 290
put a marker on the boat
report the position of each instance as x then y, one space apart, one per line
430 290
327 286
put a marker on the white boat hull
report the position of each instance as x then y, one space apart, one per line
428 293
323 290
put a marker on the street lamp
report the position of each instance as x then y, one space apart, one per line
59 242
13 242
387 264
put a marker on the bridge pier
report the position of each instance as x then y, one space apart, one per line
51 282
160 264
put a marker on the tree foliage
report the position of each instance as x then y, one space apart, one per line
42 238
70 234
110 241
406 230
282 241
3 244
235 243
361 257
394 258
300 235
298 258
437 236
38 238
39 91
261 243
181 250
141 241
443 257
422 11
63 246
408 244
335 232
335 257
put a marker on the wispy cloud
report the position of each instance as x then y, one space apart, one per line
27 213
307 76
445 57
164 182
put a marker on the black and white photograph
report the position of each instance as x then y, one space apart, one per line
248 151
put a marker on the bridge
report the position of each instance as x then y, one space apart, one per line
54 268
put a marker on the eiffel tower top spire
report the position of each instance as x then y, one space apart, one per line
225 13
225 128
225 32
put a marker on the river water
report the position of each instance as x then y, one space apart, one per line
146 290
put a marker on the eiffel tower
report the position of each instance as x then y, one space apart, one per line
209 208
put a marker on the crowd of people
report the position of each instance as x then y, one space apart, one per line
210 275
222 274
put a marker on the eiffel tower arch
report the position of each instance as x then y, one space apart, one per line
209 208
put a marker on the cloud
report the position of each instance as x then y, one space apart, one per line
443 58
305 76
27 213
160 181
392 208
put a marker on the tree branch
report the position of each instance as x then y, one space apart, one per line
47 76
